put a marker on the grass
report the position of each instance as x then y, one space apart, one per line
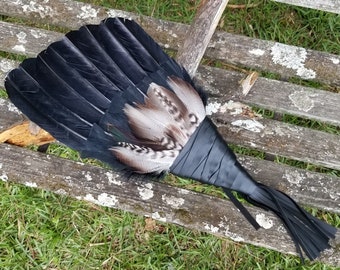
42 230
3 93
267 20
48 231
292 25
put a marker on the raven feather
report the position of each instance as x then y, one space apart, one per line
110 92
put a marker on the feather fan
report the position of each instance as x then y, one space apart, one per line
110 92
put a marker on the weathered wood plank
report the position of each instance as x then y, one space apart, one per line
6 65
308 188
288 61
9 114
325 5
278 96
200 32
148 198
266 135
25 41
269 94
271 137
65 13
277 138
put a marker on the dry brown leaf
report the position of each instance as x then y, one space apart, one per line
150 224
21 135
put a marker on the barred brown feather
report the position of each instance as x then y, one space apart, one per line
162 125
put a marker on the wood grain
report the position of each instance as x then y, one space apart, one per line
9 114
199 34
282 139
325 5
274 95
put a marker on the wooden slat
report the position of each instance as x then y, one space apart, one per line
160 201
6 65
273 137
65 13
288 61
269 94
308 188
277 96
325 5
279 138
23 40
200 32
9 114
313 189
266 135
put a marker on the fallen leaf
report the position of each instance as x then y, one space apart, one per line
22 135
150 224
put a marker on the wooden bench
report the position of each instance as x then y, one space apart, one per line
229 108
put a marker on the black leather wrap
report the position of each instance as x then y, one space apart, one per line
207 158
